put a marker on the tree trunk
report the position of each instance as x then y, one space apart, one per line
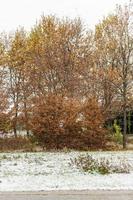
125 114
26 117
125 130
15 125
15 132
28 134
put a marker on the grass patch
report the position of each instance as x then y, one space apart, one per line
101 165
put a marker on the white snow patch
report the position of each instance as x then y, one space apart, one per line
51 171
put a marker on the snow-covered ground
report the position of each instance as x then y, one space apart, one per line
51 171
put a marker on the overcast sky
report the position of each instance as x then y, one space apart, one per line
14 13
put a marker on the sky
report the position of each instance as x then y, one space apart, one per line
15 13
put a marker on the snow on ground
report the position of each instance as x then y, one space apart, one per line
51 171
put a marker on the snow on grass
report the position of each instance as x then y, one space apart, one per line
51 171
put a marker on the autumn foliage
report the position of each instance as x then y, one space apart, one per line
60 82
59 122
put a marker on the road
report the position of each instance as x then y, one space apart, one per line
68 195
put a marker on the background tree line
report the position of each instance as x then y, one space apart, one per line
63 82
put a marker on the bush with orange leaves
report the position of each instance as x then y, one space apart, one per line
59 122
5 124
94 134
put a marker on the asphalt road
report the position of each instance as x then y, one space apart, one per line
68 195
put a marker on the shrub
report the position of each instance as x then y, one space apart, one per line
118 137
5 124
94 133
101 165
59 122
53 121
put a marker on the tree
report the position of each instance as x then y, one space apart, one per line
118 48
15 67
54 54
